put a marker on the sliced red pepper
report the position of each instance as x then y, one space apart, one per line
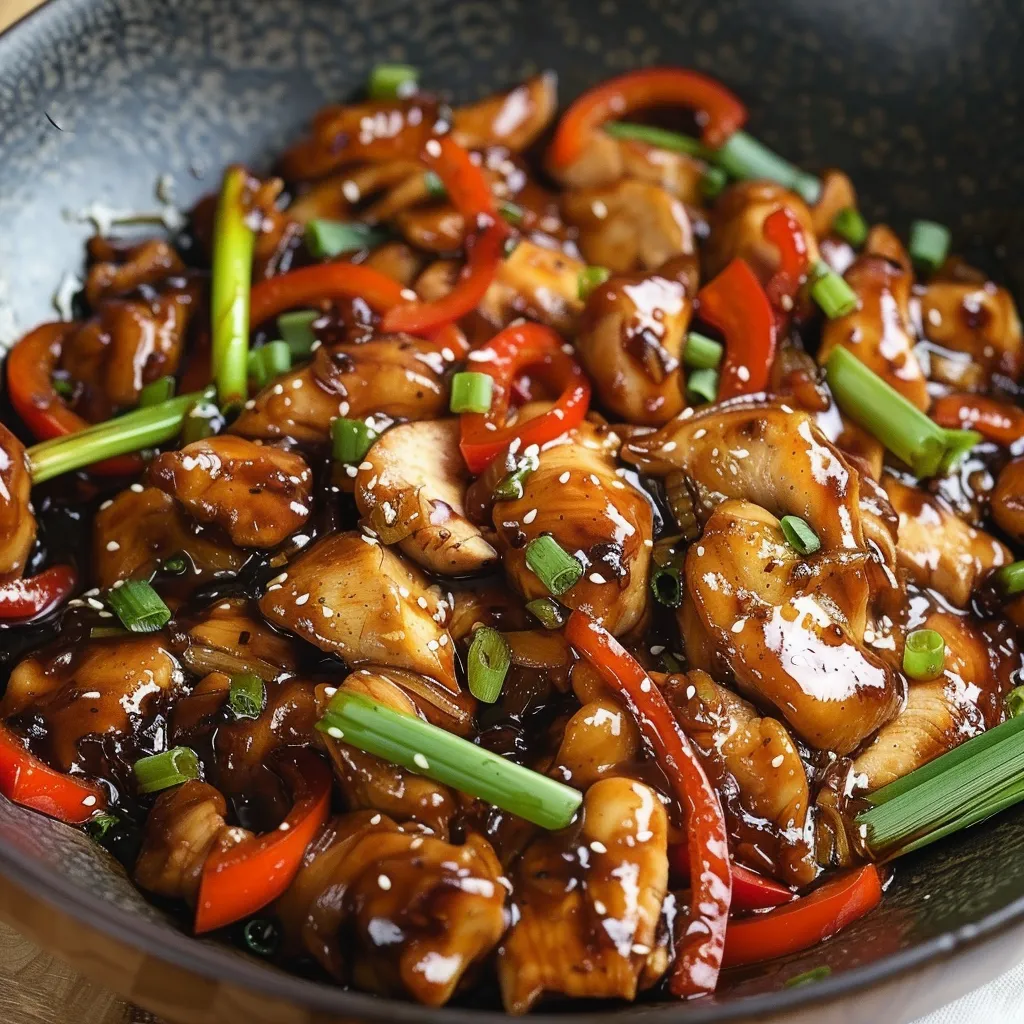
701 941
243 879
805 922
750 891
504 358
30 366
720 112
27 781
786 233
737 305
29 598
994 420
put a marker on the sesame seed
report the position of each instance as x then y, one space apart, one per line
382 880
564 478
326 611
596 577
600 907
668 447
302 599
137 488
645 685
422 602
89 801
106 504
598 847
335 733
530 516
594 480
420 761
777 761
698 434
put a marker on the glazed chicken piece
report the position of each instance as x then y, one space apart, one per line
1007 506
17 521
258 494
350 595
393 375
601 739
394 911
513 119
398 261
837 194
411 489
119 270
589 902
577 497
630 340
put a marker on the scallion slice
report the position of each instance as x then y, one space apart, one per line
547 611
929 244
176 565
156 391
667 586
392 81
471 392
511 487
713 182
924 655
108 633
171 768
513 213
1010 579
434 185
351 440
1015 702
100 826
744 157
204 420
420 747
487 664
677 142
590 278
702 352
247 696
850 225
831 292
799 536
326 239
701 386
269 362
262 936
138 606
297 330
808 977
558 570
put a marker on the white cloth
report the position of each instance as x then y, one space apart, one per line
999 1002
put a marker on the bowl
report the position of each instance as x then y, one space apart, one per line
102 99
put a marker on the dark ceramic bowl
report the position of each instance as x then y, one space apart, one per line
917 100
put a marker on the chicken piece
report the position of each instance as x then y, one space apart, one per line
394 375
982 659
120 270
513 119
350 595
630 340
589 901
879 332
393 910
411 489
17 521
837 194
106 689
258 494
398 261
677 173
599 740
336 196
937 548
1007 505
631 225
759 612
978 326
575 496
137 530
883 242
495 606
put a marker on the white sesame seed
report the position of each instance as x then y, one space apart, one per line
598 847
382 880
327 611
420 761
645 685
777 761
594 480
302 599
670 446
335 733
137 488
596 577
89 801
564 478
366 465
530 516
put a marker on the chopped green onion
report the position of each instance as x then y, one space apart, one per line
138 606
351 440
701 386
204 420
157 391
471 392
431 751
670 663
929 244
882 411
247 696
799 536
744 157
831 292
434 184
958 444
808 977
849 225
297 330
590 278
557 569
326 239
233 243
513 213
392 81
487 664
509 246
511 487
269 362
547 611
924 655
1015 702
660 137
107 632
701 352
667 586
1010 579
713 182
261 936
64 387
175 565
171 768
99 826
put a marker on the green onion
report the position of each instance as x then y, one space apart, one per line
99 826
815 974
64 387
590 278
831 292
157 391
509 246
744 157
511 487
929 244
487 664
1010 579
204 420
428 750
471 392
269 362
924 654
107 632
513 213
297 330
849 225
799 536
667 586
557 569
392 81
434 185
142 428
713 182
351 440
670 663
261 936
1015 702
138 606
326 239
701 352
247 696
660 137
701 386
958 444
882 411
547 611
171 768
176 565
233 242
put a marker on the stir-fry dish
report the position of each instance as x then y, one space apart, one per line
560 557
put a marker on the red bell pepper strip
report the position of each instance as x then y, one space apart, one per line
786 233
805 922
26 780
750 891
25 599
515 349
994 420
701 944
242 879
719 111
30 366
737 305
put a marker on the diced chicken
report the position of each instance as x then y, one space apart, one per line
17 522
512 119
